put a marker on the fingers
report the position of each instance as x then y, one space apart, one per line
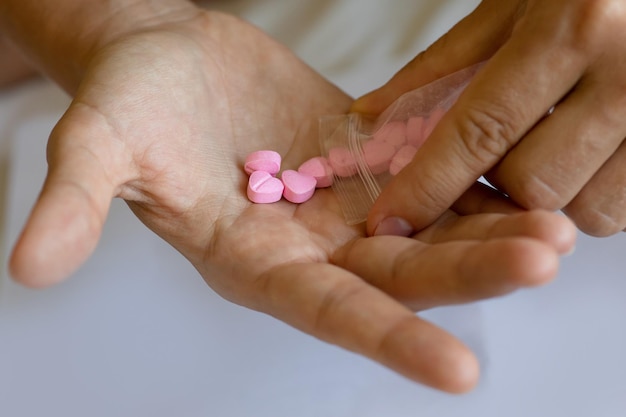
599 208
483 125
564 151
338 307
472 40
424 276
574 159
66 221
478 207
550 228
498 124
481 198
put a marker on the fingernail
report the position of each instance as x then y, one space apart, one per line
394 226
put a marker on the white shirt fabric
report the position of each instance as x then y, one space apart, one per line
357 44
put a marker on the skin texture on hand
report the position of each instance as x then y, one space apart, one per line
564 53
59 37
164 119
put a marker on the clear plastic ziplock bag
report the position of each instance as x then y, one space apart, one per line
365 154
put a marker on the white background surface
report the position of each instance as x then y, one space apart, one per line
136 332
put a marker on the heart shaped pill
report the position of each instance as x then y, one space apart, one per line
393 133
263 188
342 161
320 169
378 155
298 187
268 161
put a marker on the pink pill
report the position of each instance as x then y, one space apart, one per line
415 131
432 121
393 133
267 161
342 162
320 169
263 188
378 155
298 187
402 158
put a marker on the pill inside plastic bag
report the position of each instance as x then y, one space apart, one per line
365 154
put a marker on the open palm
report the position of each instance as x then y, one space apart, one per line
164 119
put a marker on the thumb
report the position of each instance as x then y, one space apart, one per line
66 222
474 39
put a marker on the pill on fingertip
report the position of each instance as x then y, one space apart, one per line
267 161
378 155
320 169
298 187
402 158
393 133
264 188
342 162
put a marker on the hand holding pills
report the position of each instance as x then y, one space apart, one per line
564 53
164 116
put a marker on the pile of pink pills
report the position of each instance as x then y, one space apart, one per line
387 151
296 186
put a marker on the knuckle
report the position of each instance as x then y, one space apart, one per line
386 344
486 134
432 200
532 192
332 305
593 220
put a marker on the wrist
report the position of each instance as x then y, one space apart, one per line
61 37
